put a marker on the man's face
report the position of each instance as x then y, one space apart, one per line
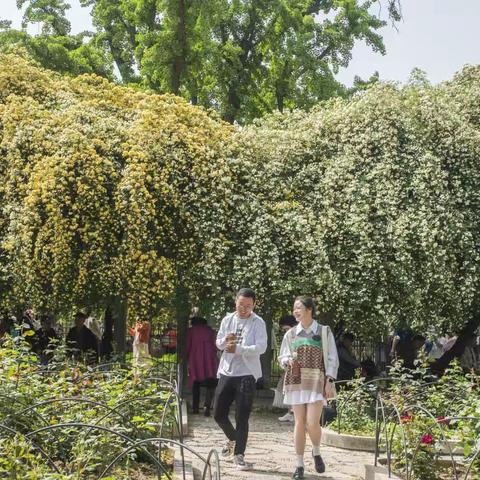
244 306
79 321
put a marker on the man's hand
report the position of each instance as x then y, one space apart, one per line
231 337
231 347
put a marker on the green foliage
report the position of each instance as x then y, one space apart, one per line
55 48
369 204
245 58
356 409
139 405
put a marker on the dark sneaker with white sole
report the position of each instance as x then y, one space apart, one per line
227 450
240 463
299 473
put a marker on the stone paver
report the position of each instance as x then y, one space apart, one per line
270 448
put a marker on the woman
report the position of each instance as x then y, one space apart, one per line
141 338
202 362
309 377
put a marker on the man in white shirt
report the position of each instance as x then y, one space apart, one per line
243 338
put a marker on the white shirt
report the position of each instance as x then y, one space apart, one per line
253 343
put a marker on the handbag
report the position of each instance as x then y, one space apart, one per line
325 359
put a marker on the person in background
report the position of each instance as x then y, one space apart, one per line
29 323
407 350
202 362
369 370
469 360
309 355
169 339
347 359
141 337
242 337
449 341
106 347
47 339
81 341
286 323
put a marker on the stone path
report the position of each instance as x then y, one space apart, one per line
270 448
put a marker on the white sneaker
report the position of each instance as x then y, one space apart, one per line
288 417
240 463
227 450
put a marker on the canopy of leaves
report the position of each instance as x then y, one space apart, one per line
370 204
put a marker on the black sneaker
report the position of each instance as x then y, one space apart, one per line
206 412
299 473
319 465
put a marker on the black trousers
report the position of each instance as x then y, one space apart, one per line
240 390
210 384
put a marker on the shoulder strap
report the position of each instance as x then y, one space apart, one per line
325 345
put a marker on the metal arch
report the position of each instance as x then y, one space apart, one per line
77 400
405 448
477 455
213 453
179 422
439 425
122 366
38 447
342 404
22 412
98 427
156 439
379 400
362 387
125 402
167 383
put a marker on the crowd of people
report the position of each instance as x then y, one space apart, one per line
315 360
86 339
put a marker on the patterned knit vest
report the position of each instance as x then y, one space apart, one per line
309 354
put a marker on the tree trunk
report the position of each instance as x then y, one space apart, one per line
182 312
267 357
233 105
179 60
120 312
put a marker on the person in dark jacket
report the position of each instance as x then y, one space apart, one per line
46 339
348 361
81 340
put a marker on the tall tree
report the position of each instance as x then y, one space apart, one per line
55 47
243 57
50 13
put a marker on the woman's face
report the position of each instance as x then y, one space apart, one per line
300 312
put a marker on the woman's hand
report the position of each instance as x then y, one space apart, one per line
329 388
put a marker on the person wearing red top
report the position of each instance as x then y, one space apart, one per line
202 362
141 337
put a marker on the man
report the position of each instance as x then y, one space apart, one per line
80 340
243 338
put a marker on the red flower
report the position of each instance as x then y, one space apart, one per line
443 420
427 439
406 418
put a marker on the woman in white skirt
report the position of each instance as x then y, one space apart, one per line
309 356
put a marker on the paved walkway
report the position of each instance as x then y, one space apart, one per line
270 448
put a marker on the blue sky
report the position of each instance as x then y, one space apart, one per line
438 36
